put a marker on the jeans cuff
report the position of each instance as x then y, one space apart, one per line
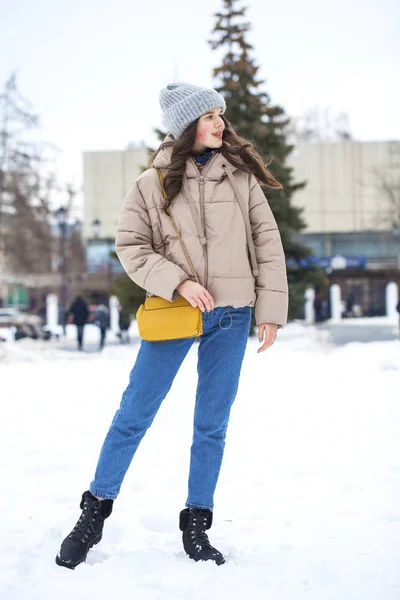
202 506
102 495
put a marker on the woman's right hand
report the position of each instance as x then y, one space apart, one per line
197 295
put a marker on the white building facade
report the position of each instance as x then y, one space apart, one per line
349 206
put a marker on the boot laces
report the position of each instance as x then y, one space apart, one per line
85 524
198 526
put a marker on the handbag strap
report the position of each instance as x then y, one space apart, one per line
178 233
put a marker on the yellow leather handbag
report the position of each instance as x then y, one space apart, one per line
158 319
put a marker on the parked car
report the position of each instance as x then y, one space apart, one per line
13 316
26 325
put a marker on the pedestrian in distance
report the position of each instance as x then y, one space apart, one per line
79 313
101 318
211 178
398 310
350 304
124 322
318 307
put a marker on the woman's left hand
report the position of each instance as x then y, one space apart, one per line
267 334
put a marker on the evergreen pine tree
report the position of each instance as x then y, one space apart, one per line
129 294
256 118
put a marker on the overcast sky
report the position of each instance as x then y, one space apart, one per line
93 68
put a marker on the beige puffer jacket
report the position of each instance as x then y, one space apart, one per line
228 229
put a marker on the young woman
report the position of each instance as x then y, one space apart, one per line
211 178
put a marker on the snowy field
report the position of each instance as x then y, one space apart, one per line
308 502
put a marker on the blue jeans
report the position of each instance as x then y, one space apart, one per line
220 355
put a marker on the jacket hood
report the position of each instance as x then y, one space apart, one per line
215 171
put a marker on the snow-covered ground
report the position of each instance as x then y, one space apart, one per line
308 502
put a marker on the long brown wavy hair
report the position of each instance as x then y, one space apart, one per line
240 152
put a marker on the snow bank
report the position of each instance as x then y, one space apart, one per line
307 505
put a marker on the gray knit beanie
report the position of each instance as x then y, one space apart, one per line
182 103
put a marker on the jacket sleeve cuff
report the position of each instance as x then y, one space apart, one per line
271 307
163 279
176 294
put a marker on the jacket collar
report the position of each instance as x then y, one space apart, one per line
214 170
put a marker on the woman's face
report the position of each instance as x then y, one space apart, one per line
209 130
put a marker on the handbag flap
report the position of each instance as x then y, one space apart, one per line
155 303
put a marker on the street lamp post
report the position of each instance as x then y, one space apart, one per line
96 229
109 270
396 237
61 216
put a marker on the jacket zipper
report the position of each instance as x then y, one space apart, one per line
201 182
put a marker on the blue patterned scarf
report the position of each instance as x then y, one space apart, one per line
204 157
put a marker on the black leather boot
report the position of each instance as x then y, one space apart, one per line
194 522
86 533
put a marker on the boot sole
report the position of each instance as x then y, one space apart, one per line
201 559
71 565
